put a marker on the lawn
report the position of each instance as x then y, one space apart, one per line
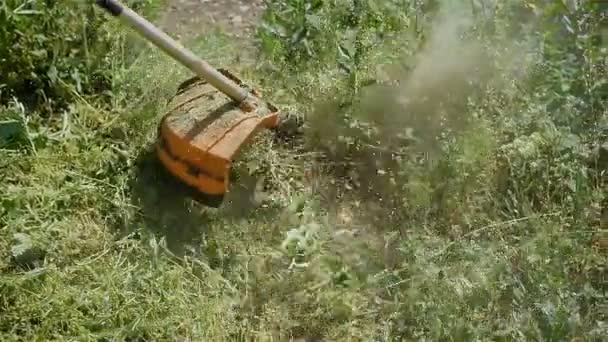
448 183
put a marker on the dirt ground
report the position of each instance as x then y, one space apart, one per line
185 19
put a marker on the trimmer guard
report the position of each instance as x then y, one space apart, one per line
204 130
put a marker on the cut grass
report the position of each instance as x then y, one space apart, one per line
105 272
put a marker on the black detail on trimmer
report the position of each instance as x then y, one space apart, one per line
111 6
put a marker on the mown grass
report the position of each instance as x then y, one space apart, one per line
437 251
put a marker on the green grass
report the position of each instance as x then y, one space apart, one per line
449 254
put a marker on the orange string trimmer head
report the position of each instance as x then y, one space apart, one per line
203 131
209 120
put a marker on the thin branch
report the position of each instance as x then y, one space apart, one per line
488 227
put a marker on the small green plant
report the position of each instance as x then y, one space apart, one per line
300 32
51 52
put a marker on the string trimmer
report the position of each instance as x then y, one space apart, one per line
209 120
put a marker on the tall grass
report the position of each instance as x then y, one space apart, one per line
472 144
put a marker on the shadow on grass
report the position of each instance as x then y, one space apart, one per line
169 209
165 208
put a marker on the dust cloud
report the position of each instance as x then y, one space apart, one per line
433 92
428 97
452 68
